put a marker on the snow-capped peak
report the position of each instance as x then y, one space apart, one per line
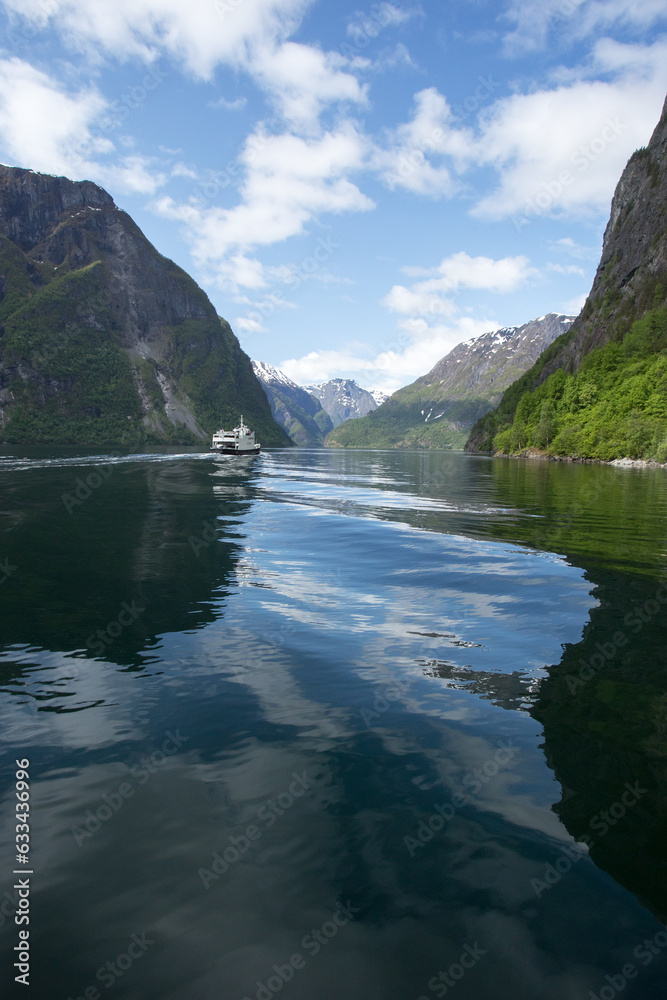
274 376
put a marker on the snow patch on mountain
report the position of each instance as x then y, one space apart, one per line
344 399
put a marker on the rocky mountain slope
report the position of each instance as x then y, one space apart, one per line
343 399
102 339
438 410
594 409
295 409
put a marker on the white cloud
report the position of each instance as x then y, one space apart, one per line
289 180
557 151
132 174
462 271
417 301
222 102
561 151
430 325
200 34
239 271
575 305
566 269
425 346
406 158
318 366
302 79
246 324
364 26
204 34
182 170
390 58
415 349
44 127
570 247
533 20
454 273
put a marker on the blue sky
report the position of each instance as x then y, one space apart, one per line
357 187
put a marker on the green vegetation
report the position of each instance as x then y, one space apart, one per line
400 422
614 406
79 386
73 335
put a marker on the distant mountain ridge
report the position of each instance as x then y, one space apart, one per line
600 391
438 409
102 339
344 399
301 415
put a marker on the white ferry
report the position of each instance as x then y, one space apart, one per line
240 441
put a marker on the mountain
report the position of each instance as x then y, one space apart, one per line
102 339
379 396
294 408
438 410
600 391
343 399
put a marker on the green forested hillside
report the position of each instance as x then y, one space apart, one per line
600 391
399 423
102 339
614 405
438 409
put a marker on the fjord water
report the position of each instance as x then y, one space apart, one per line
323 724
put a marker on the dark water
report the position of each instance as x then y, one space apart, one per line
322 725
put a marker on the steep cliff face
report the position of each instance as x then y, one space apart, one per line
438 409
299 413
630 280
101 338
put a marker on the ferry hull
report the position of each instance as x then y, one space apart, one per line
236 451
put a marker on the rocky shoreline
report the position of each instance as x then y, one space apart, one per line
623 463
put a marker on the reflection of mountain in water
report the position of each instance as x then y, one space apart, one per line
607 734
609 731
142 555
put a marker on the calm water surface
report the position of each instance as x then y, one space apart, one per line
380 726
